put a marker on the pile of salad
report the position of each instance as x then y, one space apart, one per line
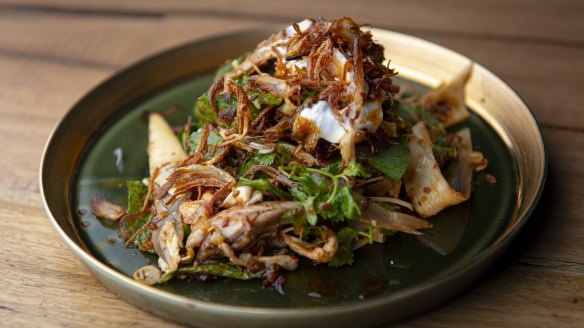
303 147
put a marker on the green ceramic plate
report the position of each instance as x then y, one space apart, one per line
407 275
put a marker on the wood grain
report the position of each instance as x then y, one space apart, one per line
52 52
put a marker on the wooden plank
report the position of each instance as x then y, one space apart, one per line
49 59
34 95
483 19
557 225
548 77
33 288
517 296
103 41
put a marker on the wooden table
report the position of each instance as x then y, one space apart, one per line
53 52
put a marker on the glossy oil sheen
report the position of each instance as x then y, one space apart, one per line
400 264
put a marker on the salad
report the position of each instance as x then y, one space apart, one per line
303 147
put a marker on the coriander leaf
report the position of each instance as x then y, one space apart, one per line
297 193
392 161
309 210
342 207
348 204
259 159
334 167
285 150
345 238
309 182
355 169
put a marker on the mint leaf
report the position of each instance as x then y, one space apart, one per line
214 139
204 112
136 193
412 113
392 161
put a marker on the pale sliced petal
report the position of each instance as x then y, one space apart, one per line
428 189
451 92
163 145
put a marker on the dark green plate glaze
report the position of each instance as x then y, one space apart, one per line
406 275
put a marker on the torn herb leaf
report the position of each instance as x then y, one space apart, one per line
345 237
203 111
258 159
136 193
355 169
392 161
263 184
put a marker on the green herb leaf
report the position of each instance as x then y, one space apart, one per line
221 269
318 190
263 184
368 234
136 192
334 167
227 106
345 201
443 154
392 161
412 113
204 112
355 169
387 231
309 210
342 207
259 159
345 238
213 140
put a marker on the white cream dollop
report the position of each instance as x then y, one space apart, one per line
370 116
288 33
321 114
